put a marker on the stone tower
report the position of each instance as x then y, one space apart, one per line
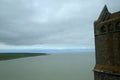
107 45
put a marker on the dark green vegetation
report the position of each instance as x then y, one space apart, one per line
8 56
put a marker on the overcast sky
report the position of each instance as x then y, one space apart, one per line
50 23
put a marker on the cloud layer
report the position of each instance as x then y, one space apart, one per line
50 22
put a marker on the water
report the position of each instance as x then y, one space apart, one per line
69 66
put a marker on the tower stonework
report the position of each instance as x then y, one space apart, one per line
107 45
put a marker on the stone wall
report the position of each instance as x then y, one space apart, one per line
105 76
107 42
107 45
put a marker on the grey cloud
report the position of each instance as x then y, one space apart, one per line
66 22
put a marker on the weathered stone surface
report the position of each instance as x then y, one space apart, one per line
107 45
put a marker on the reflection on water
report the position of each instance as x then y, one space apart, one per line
77 66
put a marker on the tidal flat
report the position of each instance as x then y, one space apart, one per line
58 66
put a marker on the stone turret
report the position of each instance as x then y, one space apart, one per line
107 45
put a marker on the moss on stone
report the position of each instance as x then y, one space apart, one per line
112 68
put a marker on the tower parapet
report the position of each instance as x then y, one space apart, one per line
107 45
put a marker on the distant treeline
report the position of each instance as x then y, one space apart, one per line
8 56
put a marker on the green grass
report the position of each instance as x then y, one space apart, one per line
8 56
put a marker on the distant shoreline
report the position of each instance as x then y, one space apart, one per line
14 55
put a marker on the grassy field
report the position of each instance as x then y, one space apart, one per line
8 56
